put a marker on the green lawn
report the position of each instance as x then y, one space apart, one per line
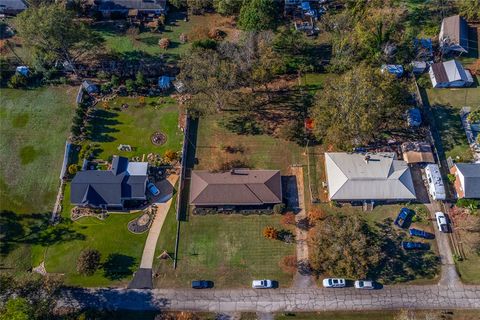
446 105
121 250
34 125
134 126
260 151
227 249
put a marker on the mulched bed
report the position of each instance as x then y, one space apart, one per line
140 224
158 138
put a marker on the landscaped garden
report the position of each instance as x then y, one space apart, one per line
133 121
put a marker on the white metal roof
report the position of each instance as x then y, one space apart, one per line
382 177
435 182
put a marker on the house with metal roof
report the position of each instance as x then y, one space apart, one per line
109 189
12 7
454 34
155 7
467 180
449 74
368 177
238 188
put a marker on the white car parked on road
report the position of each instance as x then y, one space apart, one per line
334 283
441 221
262 284
364 284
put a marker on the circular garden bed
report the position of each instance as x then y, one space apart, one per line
140 224
158 138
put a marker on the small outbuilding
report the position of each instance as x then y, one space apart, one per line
454 34
164 82
419 67
23 70
449 74
89 87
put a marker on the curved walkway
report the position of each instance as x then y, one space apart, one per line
154 232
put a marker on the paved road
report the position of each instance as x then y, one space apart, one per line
264 301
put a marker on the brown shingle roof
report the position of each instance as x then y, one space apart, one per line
240 187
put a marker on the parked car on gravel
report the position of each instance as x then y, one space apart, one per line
403 217
410 245
421 234
441 221
334 283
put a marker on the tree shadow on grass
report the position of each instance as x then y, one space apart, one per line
118 266
450 125
34 228
101 125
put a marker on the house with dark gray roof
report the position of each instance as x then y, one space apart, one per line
107 7
12 7
467 180
368 177
454 34
236 188
109 189
449 74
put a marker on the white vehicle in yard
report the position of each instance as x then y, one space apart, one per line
262 284
441 221
364 284
334 283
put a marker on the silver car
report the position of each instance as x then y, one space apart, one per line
262 284
364 284
334 283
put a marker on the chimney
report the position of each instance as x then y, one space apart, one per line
367 159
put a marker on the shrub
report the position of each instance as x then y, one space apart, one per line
140 79
115 81
17 81
270 232
204 44
164 43
73 168
289 264
88 262
470 204
130 85
288 218
316 214
232 164
451 177
171 155
278 208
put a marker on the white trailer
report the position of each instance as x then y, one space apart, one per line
436 187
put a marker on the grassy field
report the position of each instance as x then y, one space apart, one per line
34 125
227 249
119 41
379 315
446 105
468 268
121 250
134 126
260 151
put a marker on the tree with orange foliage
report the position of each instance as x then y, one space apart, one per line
270 232
316 214
288 219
